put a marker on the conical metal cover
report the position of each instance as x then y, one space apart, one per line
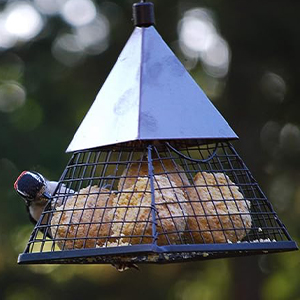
149 95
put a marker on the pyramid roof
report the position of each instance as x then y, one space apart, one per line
149 95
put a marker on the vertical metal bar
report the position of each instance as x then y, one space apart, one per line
153 207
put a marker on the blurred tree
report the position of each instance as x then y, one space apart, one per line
53 61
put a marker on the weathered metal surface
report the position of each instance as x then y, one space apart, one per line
149 95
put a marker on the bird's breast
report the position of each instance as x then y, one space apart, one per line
36 209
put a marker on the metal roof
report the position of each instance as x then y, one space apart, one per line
149 95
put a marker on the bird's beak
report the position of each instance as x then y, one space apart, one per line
46 195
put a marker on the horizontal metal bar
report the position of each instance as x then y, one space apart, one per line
223 250
78 253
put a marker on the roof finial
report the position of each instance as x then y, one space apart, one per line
143 14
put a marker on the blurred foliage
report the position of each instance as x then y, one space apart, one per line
45 101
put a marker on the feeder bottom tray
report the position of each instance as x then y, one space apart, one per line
141 254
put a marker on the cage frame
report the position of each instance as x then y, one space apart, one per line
153 253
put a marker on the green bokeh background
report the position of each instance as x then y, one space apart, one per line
264 39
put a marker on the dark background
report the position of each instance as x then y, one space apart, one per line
50 77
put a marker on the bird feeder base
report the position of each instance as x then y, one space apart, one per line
145 254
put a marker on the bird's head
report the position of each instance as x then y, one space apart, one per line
31 186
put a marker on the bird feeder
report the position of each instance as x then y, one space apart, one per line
153 177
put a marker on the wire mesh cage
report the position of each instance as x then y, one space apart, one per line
156 202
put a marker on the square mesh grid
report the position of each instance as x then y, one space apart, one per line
161 202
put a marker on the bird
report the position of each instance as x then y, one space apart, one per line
36 191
